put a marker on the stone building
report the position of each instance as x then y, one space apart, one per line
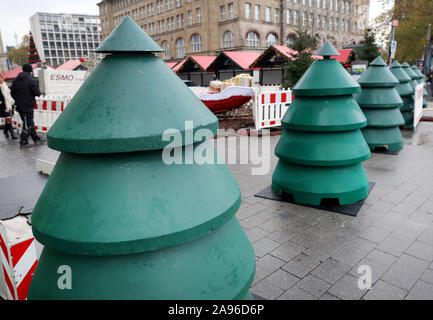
208 27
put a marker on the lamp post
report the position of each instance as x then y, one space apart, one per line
428 53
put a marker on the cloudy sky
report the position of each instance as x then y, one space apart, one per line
15 14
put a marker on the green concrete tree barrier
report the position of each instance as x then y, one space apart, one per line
406 93
380 102
123 222
322 148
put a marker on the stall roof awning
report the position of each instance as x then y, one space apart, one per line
275 55
238 59
12 74
177 67
70 65
201 61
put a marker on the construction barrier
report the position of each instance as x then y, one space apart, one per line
270 107
47 110
19 252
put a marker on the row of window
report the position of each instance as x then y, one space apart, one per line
71 37
165 25
336 5
160 4
69 45
228 41
67 19
69 28
66 53
292 17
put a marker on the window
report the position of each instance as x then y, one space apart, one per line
247 10
331 23
289 39
228 39
271 39
276 15
318 21
288 16
253 39
223 12
304 18
311 3
189 17
256 12
331 4
198 14
166 48
324 19
231 11
295 17
318 4
180 48
310 20
267 14
324 4
196 45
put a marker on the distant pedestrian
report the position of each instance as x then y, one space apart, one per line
6 108
24 90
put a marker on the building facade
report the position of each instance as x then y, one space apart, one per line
3 56
63 37
207 27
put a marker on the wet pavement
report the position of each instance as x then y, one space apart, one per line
306 253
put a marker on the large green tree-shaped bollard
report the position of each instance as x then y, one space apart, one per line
115 213
420 79
322 148
380 103
406 93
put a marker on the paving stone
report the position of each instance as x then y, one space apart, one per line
349 255
306 239
347 288
393 246
390 222
301 265
363 244
260 275
427 236
410 262
428 276
328 296
381 257
409 231
287 251
255 234
296 293
320 251
421 250
269 263
404 208
401 277
385 291
264 246
331 270
266 290
374 234
377 269
313 285
281 236
421 291
282 279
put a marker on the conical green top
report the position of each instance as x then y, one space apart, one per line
326 77
418 73
378 75
327 51
127 104
409 71
399 73
378 62
128 37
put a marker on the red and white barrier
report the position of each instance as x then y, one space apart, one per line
46 112
270 107
19 257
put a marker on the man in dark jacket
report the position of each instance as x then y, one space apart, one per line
24 90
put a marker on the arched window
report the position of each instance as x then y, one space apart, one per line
228 39
253 39
196 44
289 39
271 39
166 48
180 48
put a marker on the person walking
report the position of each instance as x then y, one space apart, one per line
24 90
6 108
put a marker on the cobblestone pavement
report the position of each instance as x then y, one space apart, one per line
305 253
